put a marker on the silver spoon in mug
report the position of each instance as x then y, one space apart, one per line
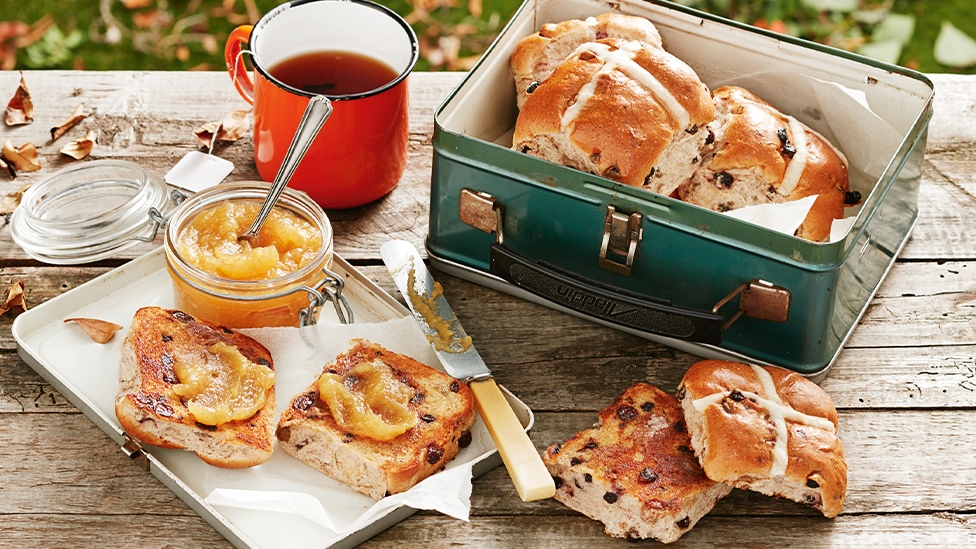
318 110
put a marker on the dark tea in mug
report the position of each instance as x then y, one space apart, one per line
333 72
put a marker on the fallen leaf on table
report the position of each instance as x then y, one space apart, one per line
231 128
23 158
10 202
10 169
20 109
99 330
77 116
15 298
79 148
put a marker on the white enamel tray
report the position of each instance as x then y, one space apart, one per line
87 375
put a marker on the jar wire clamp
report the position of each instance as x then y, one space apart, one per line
157 219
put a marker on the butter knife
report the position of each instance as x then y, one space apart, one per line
460 359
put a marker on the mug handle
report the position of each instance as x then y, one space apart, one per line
232 50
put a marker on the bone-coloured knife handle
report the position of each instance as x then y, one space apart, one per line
532 479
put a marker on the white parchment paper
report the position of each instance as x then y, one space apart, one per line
300 357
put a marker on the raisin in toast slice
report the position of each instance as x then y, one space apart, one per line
444 414
150 410
635 471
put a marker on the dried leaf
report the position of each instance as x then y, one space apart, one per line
10 202
205 133
23 159
79 148
475 7
15 298
10 169
99 330
20 109
232 127
182 52
77 116
136 4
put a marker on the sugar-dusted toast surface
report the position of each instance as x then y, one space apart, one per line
148 408
444 407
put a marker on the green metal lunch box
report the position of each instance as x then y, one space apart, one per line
660 268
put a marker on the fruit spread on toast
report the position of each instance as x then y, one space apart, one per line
369 455
187 383
369 400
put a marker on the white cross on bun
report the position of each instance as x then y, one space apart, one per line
765 429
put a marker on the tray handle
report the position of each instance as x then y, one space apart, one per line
635 311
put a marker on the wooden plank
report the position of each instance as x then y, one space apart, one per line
44 531
577 531
939 530
902 461
149 118
911 308
899 357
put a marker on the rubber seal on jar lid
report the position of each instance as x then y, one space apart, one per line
89 212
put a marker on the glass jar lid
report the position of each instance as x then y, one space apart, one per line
89 212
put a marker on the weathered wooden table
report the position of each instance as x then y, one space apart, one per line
905 385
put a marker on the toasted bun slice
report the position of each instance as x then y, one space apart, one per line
620 109
149 410
537 55
757 155
765 429
443 405
635 471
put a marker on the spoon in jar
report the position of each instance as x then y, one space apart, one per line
318 110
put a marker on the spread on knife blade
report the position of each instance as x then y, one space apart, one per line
424 305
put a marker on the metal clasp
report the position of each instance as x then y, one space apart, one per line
329 289
482 211
157 219
133 449
621 234
760 299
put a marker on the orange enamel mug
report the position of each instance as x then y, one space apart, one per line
361 151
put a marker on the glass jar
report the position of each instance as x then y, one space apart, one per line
89 211
292 299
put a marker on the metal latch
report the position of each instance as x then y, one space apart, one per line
133 449
621 234
482 211
760 299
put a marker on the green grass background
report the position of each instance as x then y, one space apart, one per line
81 14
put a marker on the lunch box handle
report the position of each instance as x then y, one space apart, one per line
610 304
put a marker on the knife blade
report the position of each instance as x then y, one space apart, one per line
462 361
